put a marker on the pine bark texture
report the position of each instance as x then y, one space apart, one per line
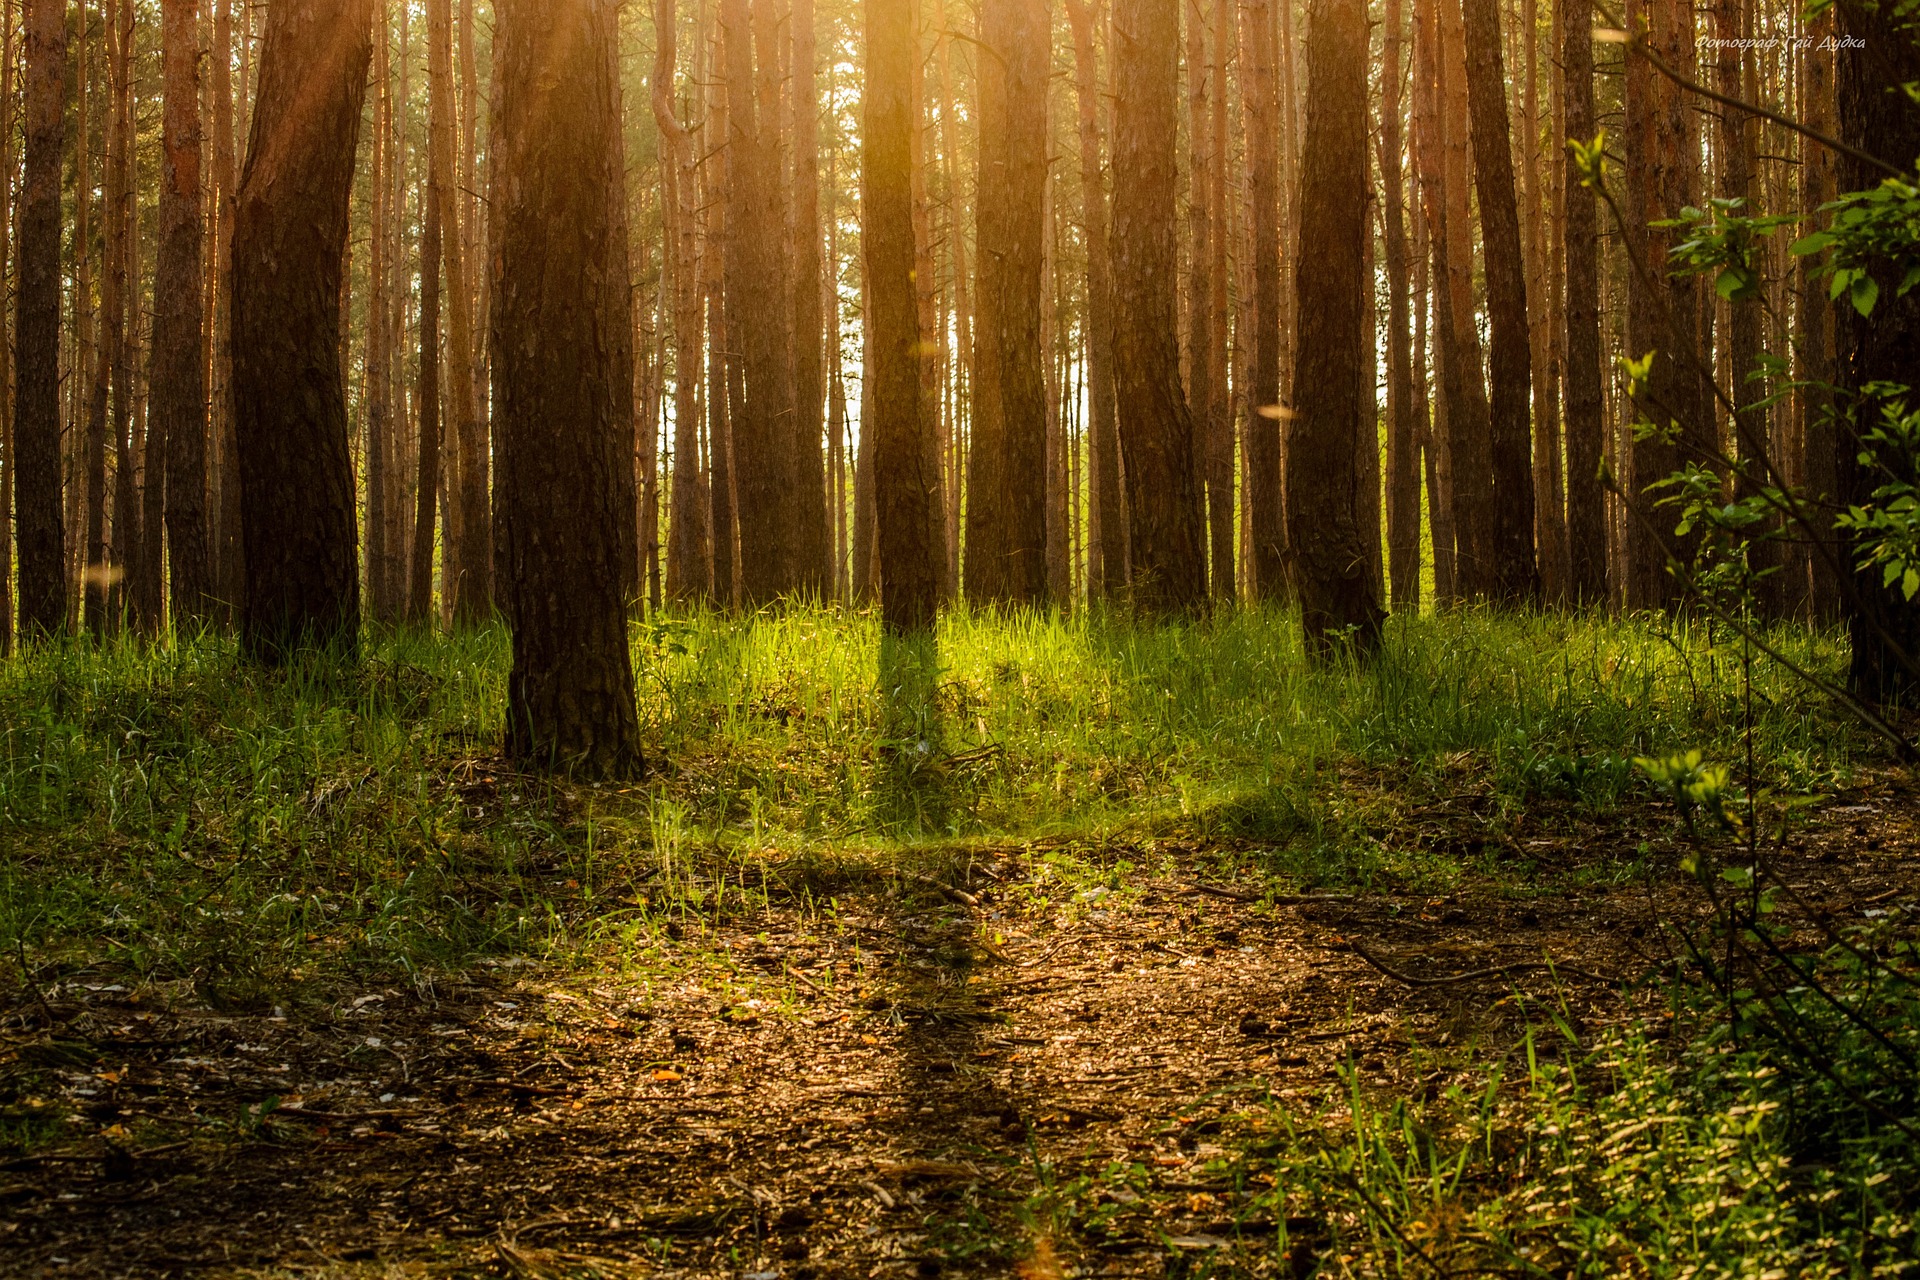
1267 556
812 535
1585 408
1877 117
290 235
561 312
1403 449
1156 434
178 409
1006 509
1514 574
39 528
1333 424
905 474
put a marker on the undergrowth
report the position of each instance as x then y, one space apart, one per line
172 811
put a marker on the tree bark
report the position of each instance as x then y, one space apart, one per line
39 528
1107 561
562 312
1663 313
812 541
1818 370
9 122
118 287
290 234
905 479
1222 511
1585 416
1156 434
1430 246
1332 426
472 588
1202 215
179 378
1006 506
1403 451
1266 557
689 557
1515 574
1876 116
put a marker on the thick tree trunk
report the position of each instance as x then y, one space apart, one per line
562 312
1585 411
97 570
179 379
230 561
1403 451
1543 296
39 527
9 121
1107 524
1006 501
1156 434
382 600
904 474
1333 425
290 234
1876 116
1266 557
1515 574
1222 509
1202 216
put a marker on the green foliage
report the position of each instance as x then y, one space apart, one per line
1721 241
1876 229
1887 530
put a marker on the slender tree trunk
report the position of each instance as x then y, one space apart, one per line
1267 556
36 421
688 555
230 558
1818 370
427 411
562 313
958 424
1333 427
1735 153
1515 574
933 350
1403 453
906 528
378 571
1431 237
1219 420
1107 565
1549 515
1663 312
1586 497
97 570
1201 219
9 121
809 374
290 235
1006 505
473 595
179 378
119 288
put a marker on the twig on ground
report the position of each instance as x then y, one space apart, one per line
1474 975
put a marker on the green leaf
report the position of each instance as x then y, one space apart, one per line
1735 282
1911 585
1863 294
1811 244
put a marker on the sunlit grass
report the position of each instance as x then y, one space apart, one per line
174 812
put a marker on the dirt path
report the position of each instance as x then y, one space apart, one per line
880 1090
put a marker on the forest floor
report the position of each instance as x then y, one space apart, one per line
986 1059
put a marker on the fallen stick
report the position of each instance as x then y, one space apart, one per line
1474 975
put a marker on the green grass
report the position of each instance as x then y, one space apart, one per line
173 812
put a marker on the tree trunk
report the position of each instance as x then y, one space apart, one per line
1430 237
290 234
1267 555
904 480
230 561
9 121
1219 420
1586 433
179 377
1735 153
722 361
1006 502
757 319
97 569
1543 284
1332 427
118 288
472 589
689 557
1663 311
427 412
1515 575
1107 562
36 423
1876 116
812 536
1156 435
562 313
1818 370
1403 452
1201 231
378 573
